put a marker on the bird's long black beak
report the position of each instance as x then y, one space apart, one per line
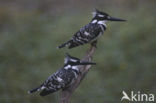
115 19
87 63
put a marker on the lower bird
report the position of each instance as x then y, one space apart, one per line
90 32
63 78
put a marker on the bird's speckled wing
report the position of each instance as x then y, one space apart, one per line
59 80
86 34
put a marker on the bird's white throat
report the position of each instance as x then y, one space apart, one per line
101 22
72 67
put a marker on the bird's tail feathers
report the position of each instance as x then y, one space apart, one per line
35 89
46 92
64 44
61 46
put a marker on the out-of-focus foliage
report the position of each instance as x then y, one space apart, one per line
30 31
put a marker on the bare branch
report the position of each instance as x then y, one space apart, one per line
67 93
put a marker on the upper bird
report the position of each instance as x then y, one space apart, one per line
90 32
63 78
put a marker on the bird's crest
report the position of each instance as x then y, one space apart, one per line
97 12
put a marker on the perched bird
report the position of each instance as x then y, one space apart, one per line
90 32
63 78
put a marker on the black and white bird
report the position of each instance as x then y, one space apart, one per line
63 78
90 32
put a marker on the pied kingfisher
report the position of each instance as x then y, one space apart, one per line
63 78
90 32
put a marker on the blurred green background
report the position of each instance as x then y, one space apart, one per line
30 31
